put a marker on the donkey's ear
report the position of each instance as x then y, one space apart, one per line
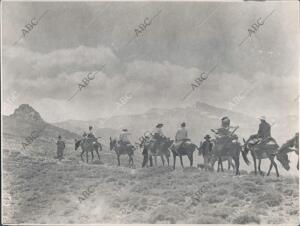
110 138
244 140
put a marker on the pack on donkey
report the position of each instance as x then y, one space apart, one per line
226 145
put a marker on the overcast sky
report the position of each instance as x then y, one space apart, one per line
184 39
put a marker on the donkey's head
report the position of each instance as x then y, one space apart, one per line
283 158
77 144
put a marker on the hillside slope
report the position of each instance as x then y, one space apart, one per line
41 190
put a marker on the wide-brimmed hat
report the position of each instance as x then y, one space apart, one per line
59 136
125 130
262 118
159 125
90 127
207 137
183 124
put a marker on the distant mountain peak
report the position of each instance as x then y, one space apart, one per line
26 112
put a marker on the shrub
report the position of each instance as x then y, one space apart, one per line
271 199
246 219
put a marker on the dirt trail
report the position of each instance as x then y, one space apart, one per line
44 190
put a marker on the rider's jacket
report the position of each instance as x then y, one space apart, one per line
124 137
157 133
181 134
264 130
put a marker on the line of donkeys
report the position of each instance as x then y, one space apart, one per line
224 147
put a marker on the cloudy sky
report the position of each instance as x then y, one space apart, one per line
156 68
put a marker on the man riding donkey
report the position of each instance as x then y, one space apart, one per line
88 144
180 137
262 146
158 136
124 138
182 146
263 135
226 143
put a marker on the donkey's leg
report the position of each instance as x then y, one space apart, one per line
87 156
180 156
298 164
92 151
237 164
229 164
129 160
118 156
174 160
97 151
221 163
192 160
151 160
168 160
259 163
270 168
275 165
81 155
155 160
163 160
254 160
232 164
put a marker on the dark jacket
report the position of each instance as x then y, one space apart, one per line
264 130
206 147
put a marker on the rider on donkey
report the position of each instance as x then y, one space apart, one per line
158 136
264 132
180 137
91 136
124 137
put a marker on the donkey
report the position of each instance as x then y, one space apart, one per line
289 146
262 151
224 147
187 148
87 145
122 150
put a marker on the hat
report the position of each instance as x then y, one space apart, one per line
125 130
207 137
183 124
90 127
225 118
262 118
59 136
159 125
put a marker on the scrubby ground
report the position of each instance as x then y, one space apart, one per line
43 190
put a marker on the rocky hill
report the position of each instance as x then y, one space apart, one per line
26 122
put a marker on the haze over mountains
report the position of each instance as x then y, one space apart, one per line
200 119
